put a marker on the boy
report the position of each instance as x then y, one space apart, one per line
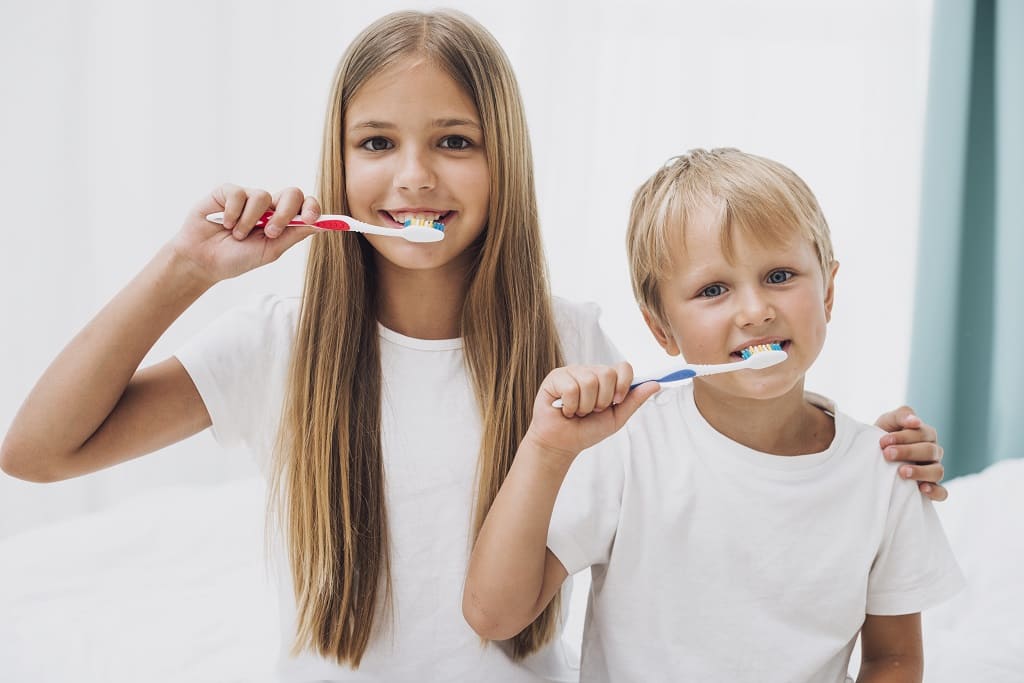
738 529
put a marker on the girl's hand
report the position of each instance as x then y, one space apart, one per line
596 402
218 252
912 441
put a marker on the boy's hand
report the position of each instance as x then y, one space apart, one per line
218 252
596 402
912 441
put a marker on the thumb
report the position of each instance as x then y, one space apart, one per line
634 399
291 236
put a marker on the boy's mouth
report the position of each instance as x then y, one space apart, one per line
738 353
398 217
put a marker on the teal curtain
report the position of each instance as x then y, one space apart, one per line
967 365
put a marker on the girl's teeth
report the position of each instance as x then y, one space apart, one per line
403 217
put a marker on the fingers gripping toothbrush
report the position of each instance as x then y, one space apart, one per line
754 358
414 230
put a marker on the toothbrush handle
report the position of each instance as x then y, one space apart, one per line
677 376
326 222
218 218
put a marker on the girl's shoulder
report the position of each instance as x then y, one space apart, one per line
583 339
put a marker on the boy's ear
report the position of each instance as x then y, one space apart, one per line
830 290
664 336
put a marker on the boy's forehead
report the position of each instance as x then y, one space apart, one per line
705 233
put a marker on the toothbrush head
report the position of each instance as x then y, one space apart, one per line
763 355
423 230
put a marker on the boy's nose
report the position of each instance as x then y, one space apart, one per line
414 172
753 310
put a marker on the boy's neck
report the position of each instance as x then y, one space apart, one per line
787 425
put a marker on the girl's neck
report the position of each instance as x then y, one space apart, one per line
424 304
786 425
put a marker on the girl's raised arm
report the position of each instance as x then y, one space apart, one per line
93 408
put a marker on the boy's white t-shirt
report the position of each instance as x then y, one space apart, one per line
431 431
715 562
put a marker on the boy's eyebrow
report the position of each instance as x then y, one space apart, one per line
436 123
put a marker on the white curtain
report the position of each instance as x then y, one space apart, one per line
118 116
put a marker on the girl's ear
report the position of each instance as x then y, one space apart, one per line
830 290
661 333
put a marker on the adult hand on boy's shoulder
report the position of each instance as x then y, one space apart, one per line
910 440
596 403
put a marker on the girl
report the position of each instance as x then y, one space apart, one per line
367 402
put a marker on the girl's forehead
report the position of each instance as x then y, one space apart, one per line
413 85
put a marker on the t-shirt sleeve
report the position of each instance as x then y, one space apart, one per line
583 339
586 512
915 567
238 364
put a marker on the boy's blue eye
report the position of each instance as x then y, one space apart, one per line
376 144
712 291
456 142
777 277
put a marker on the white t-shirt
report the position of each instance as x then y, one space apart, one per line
715 562
431 434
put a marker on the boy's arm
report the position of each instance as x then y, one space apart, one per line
891 649
512 575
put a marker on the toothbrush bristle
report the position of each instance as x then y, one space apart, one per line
423 223
759 348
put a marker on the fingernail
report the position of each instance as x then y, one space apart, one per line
238 235
890 453
905 472
272 231
927 488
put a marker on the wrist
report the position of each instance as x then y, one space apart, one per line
180 274
551 457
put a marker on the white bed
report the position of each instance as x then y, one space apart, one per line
172 587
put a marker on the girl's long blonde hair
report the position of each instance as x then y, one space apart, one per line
328 473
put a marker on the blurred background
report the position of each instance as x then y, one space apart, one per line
903 117
118 116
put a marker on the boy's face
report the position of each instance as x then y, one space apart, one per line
714 308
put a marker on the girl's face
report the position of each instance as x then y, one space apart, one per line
414 149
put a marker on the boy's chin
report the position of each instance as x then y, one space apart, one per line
766 389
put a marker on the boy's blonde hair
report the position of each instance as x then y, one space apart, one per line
752 196
328 471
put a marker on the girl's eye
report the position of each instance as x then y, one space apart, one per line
456 142
777 277
711 291
377 144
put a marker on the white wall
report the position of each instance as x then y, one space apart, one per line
118 116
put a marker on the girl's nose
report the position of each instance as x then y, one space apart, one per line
414 172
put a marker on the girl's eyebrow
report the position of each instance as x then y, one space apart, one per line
454 123
436 123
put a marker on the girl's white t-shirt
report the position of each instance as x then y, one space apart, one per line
431 433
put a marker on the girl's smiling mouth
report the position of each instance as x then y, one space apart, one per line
397 217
